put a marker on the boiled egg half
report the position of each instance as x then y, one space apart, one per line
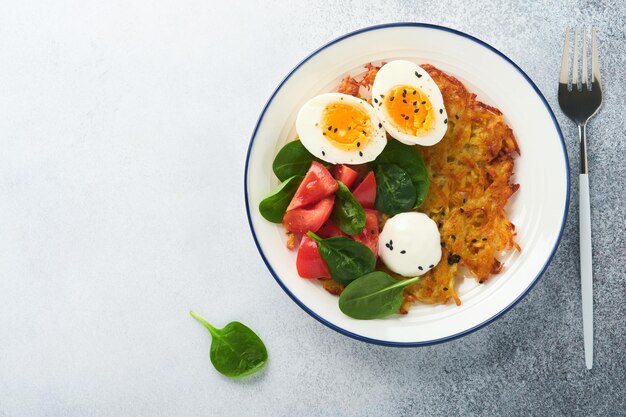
340 129
409 103
410 244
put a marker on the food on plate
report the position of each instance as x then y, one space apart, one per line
409 244
391 212
340 129
409 104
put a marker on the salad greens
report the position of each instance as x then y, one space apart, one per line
395 192
408 159
273 207
373 296
347 213
293 159
346 259
236 351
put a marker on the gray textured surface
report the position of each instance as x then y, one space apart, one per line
118 124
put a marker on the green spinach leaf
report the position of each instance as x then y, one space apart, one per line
293 159
347 213
373 296
409 159
236 351
346 259
395 192
273 207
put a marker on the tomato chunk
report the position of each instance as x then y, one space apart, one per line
317 184
365 192
329 229
369 234
309 218
309 262
345 174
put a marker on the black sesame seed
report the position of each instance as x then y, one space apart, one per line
484 239
391 98
431 266
462 210
323 153
403 252
445 288
349 127
363 131
456 116
415 103
416 110
453 259
420 268
406 118
391 242
335 131
360 153
440 111
380 125
481 282
453 237
402 114
403 93
330 128
404 101
446 121
372 232
423 102
414 92
382 96
418 75
375 100
474 240
324 133
358 144
443 245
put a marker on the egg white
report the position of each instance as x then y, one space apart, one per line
310 131
400 72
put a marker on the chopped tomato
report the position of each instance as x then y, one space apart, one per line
309 262
329 229
345 174
369 234
365 192
312 217
317 184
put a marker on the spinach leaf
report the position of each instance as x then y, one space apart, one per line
346 259
409 159
395 192
347 213
236 351
373 296
273 207
293 159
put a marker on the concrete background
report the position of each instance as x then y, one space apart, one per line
123 132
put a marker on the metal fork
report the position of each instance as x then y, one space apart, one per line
580 100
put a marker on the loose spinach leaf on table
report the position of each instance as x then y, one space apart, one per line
347 213
395 192
346 259
409 159
273 207
293 159
373 296
236 351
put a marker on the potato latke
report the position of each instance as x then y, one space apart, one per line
470 183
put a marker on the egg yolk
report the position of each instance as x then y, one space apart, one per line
409 109
346 126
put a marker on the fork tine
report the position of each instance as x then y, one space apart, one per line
565 61
584 80
575 61
595 64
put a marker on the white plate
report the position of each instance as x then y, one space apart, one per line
538 209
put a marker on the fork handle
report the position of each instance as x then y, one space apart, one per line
586 272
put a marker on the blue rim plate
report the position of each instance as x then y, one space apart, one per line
539 208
